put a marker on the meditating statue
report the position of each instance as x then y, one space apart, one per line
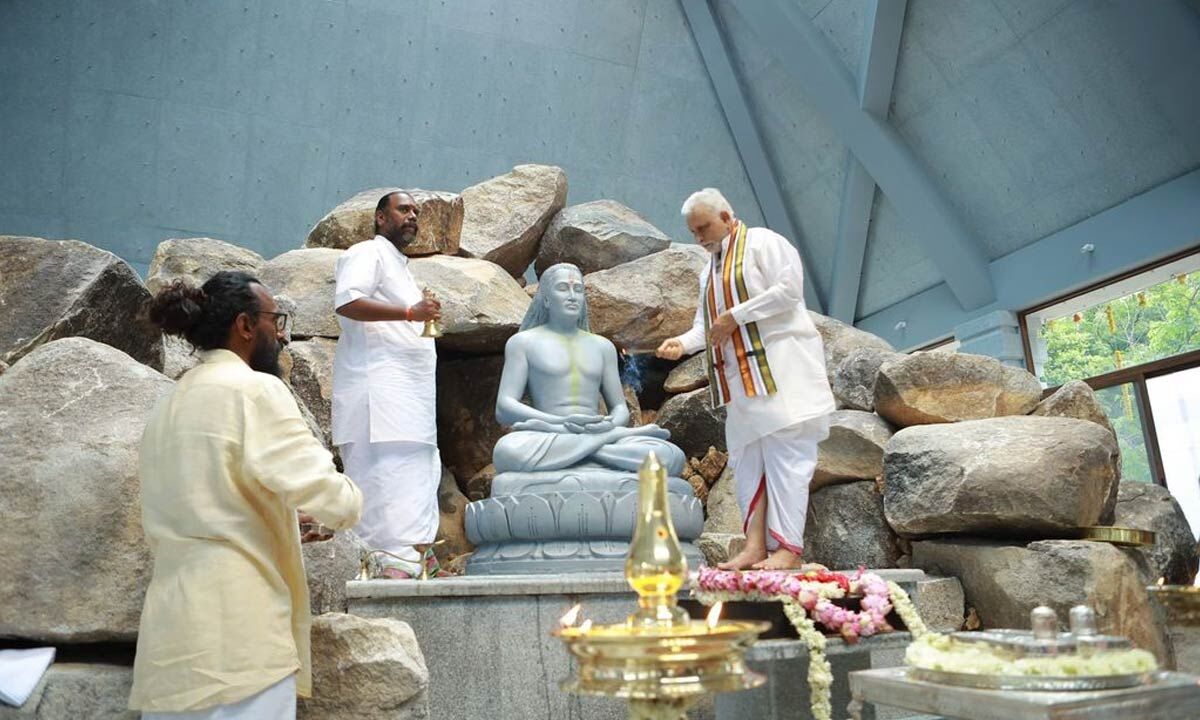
566 369
565 492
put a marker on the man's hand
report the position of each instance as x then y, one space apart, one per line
427 309
310 529
671 349
722 329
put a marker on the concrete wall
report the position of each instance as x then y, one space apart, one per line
127 122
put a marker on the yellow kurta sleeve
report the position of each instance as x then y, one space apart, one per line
281 453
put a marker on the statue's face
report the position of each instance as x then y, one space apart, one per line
564 296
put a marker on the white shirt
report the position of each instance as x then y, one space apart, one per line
774 279
383 372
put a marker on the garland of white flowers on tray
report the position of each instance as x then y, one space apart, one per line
806 598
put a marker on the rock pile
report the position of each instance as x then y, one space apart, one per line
952 463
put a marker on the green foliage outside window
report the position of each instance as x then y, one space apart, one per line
1156 323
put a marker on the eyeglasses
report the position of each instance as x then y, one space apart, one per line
280 319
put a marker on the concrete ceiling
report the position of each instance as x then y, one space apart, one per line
1030 116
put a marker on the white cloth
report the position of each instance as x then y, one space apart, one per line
383 372
399 481
780 465
278 702
20 672
774 279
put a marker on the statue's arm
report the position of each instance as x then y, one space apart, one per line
513 378
610 387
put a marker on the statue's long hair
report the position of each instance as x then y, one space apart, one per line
538 314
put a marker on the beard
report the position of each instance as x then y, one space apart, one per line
403 236
264 357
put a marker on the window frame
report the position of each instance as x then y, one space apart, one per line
1135 374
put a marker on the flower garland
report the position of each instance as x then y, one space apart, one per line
806 599
812 591
820 674
907 612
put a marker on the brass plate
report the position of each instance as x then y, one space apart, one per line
1117 535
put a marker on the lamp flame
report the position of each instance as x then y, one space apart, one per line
1160 582
569 617
714 615
585 626
1196 583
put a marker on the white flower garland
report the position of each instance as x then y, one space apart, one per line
907 611
820 674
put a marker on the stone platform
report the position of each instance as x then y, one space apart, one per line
489 651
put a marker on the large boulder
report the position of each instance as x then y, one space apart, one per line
841 339
1003 582
853 379
641 303
305 278
440 222
1075 399
196 260
691 374
695 426
365 669
950 387
72 556
466 413
853 450
51 289
330 564
504 218
846 528
482 306
178 356
452 509
723 515
598 235
308 368
78 691
1013 476
1152 507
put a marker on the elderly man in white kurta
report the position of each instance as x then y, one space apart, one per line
767 367
384 397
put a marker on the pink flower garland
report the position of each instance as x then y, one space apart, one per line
811 591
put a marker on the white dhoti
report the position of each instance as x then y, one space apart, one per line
278 702
399 483
779 467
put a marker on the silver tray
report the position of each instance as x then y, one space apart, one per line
1030 682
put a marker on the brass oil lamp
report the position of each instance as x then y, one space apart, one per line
661 660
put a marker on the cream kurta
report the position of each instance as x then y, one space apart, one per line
226 460
775 281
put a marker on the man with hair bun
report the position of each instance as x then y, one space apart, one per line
766 365
226 461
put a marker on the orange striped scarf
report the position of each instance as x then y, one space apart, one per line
727 288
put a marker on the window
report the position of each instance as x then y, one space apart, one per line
1136 342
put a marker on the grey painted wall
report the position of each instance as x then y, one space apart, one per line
127 122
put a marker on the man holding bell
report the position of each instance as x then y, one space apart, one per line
766 365
384 397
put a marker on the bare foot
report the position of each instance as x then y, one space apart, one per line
746 558
781 559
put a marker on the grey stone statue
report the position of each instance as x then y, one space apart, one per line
565 494
566 370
